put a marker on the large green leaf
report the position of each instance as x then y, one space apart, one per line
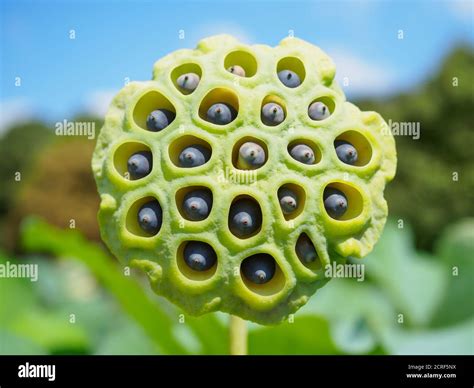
307 335
457 339
26 323
51 331
345 317
211 331
414 282
67 286
127 338
16 295
13 344
456 250
39 236
355 311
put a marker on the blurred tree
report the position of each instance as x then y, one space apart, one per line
18 147
425 191
61 189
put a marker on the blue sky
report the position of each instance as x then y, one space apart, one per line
116 39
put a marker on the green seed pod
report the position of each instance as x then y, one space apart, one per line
221 284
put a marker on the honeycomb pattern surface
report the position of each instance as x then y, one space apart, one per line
223 286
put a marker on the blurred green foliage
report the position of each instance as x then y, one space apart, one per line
400 308
424 192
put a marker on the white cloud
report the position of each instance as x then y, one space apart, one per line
462 9
222 27
97 103
362 77
15 111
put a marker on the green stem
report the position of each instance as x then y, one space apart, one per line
238 336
